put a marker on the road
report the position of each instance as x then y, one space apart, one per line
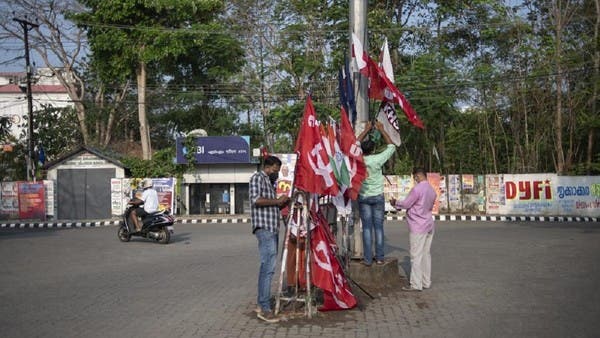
490 279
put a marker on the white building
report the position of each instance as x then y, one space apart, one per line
46 91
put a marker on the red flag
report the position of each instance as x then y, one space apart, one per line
351 148
313 168
381 88
326 271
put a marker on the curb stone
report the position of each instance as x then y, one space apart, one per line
246 219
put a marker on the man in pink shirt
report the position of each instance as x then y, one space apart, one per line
418 205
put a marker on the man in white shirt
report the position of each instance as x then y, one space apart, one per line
149 199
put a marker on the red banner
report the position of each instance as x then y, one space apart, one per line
32 204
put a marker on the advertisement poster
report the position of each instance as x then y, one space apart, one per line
578 195
165 187
123 189
442 196
31 201
473 194
9 198
117 198
434 180
390 189
454 189
494 193
468 182
49 189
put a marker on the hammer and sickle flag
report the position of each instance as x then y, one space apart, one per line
326 271
314 172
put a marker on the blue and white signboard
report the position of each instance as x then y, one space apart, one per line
216 149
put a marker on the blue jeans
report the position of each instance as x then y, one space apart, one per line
267 249
372 210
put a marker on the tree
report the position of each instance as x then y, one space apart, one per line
129 38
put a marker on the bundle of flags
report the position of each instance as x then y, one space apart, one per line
330 163
329 159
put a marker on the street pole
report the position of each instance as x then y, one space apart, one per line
358 26
26 25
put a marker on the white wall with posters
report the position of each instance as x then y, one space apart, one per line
578 195
543 195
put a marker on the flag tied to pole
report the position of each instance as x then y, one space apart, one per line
326 271
380 86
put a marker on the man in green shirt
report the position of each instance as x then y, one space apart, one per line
371 202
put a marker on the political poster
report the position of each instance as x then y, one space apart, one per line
32 204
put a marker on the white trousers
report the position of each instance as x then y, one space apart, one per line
420 260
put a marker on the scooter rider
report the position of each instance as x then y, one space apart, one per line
149 199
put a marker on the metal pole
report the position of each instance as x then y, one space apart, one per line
358 26
30 161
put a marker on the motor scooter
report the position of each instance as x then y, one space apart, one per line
157 226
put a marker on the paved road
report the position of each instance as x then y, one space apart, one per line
490 279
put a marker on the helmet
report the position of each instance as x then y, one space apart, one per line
147 183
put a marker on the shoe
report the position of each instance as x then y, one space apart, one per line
365 263
381 262
267 316
426 287
409 289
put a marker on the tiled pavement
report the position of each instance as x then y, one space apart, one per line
490 279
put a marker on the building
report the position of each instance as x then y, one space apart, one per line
46 90
218 181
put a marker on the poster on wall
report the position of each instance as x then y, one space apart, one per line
405 184
123 189
390 189
117 199
9 196
494 191
529 194
434 180
578 195
473 194
165 187
32 204
442 196
49 196
454 188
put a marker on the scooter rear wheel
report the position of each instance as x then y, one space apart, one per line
123 234
165 236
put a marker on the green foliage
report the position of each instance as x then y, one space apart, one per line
285 123
161 165
481 75
12 164
57 130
